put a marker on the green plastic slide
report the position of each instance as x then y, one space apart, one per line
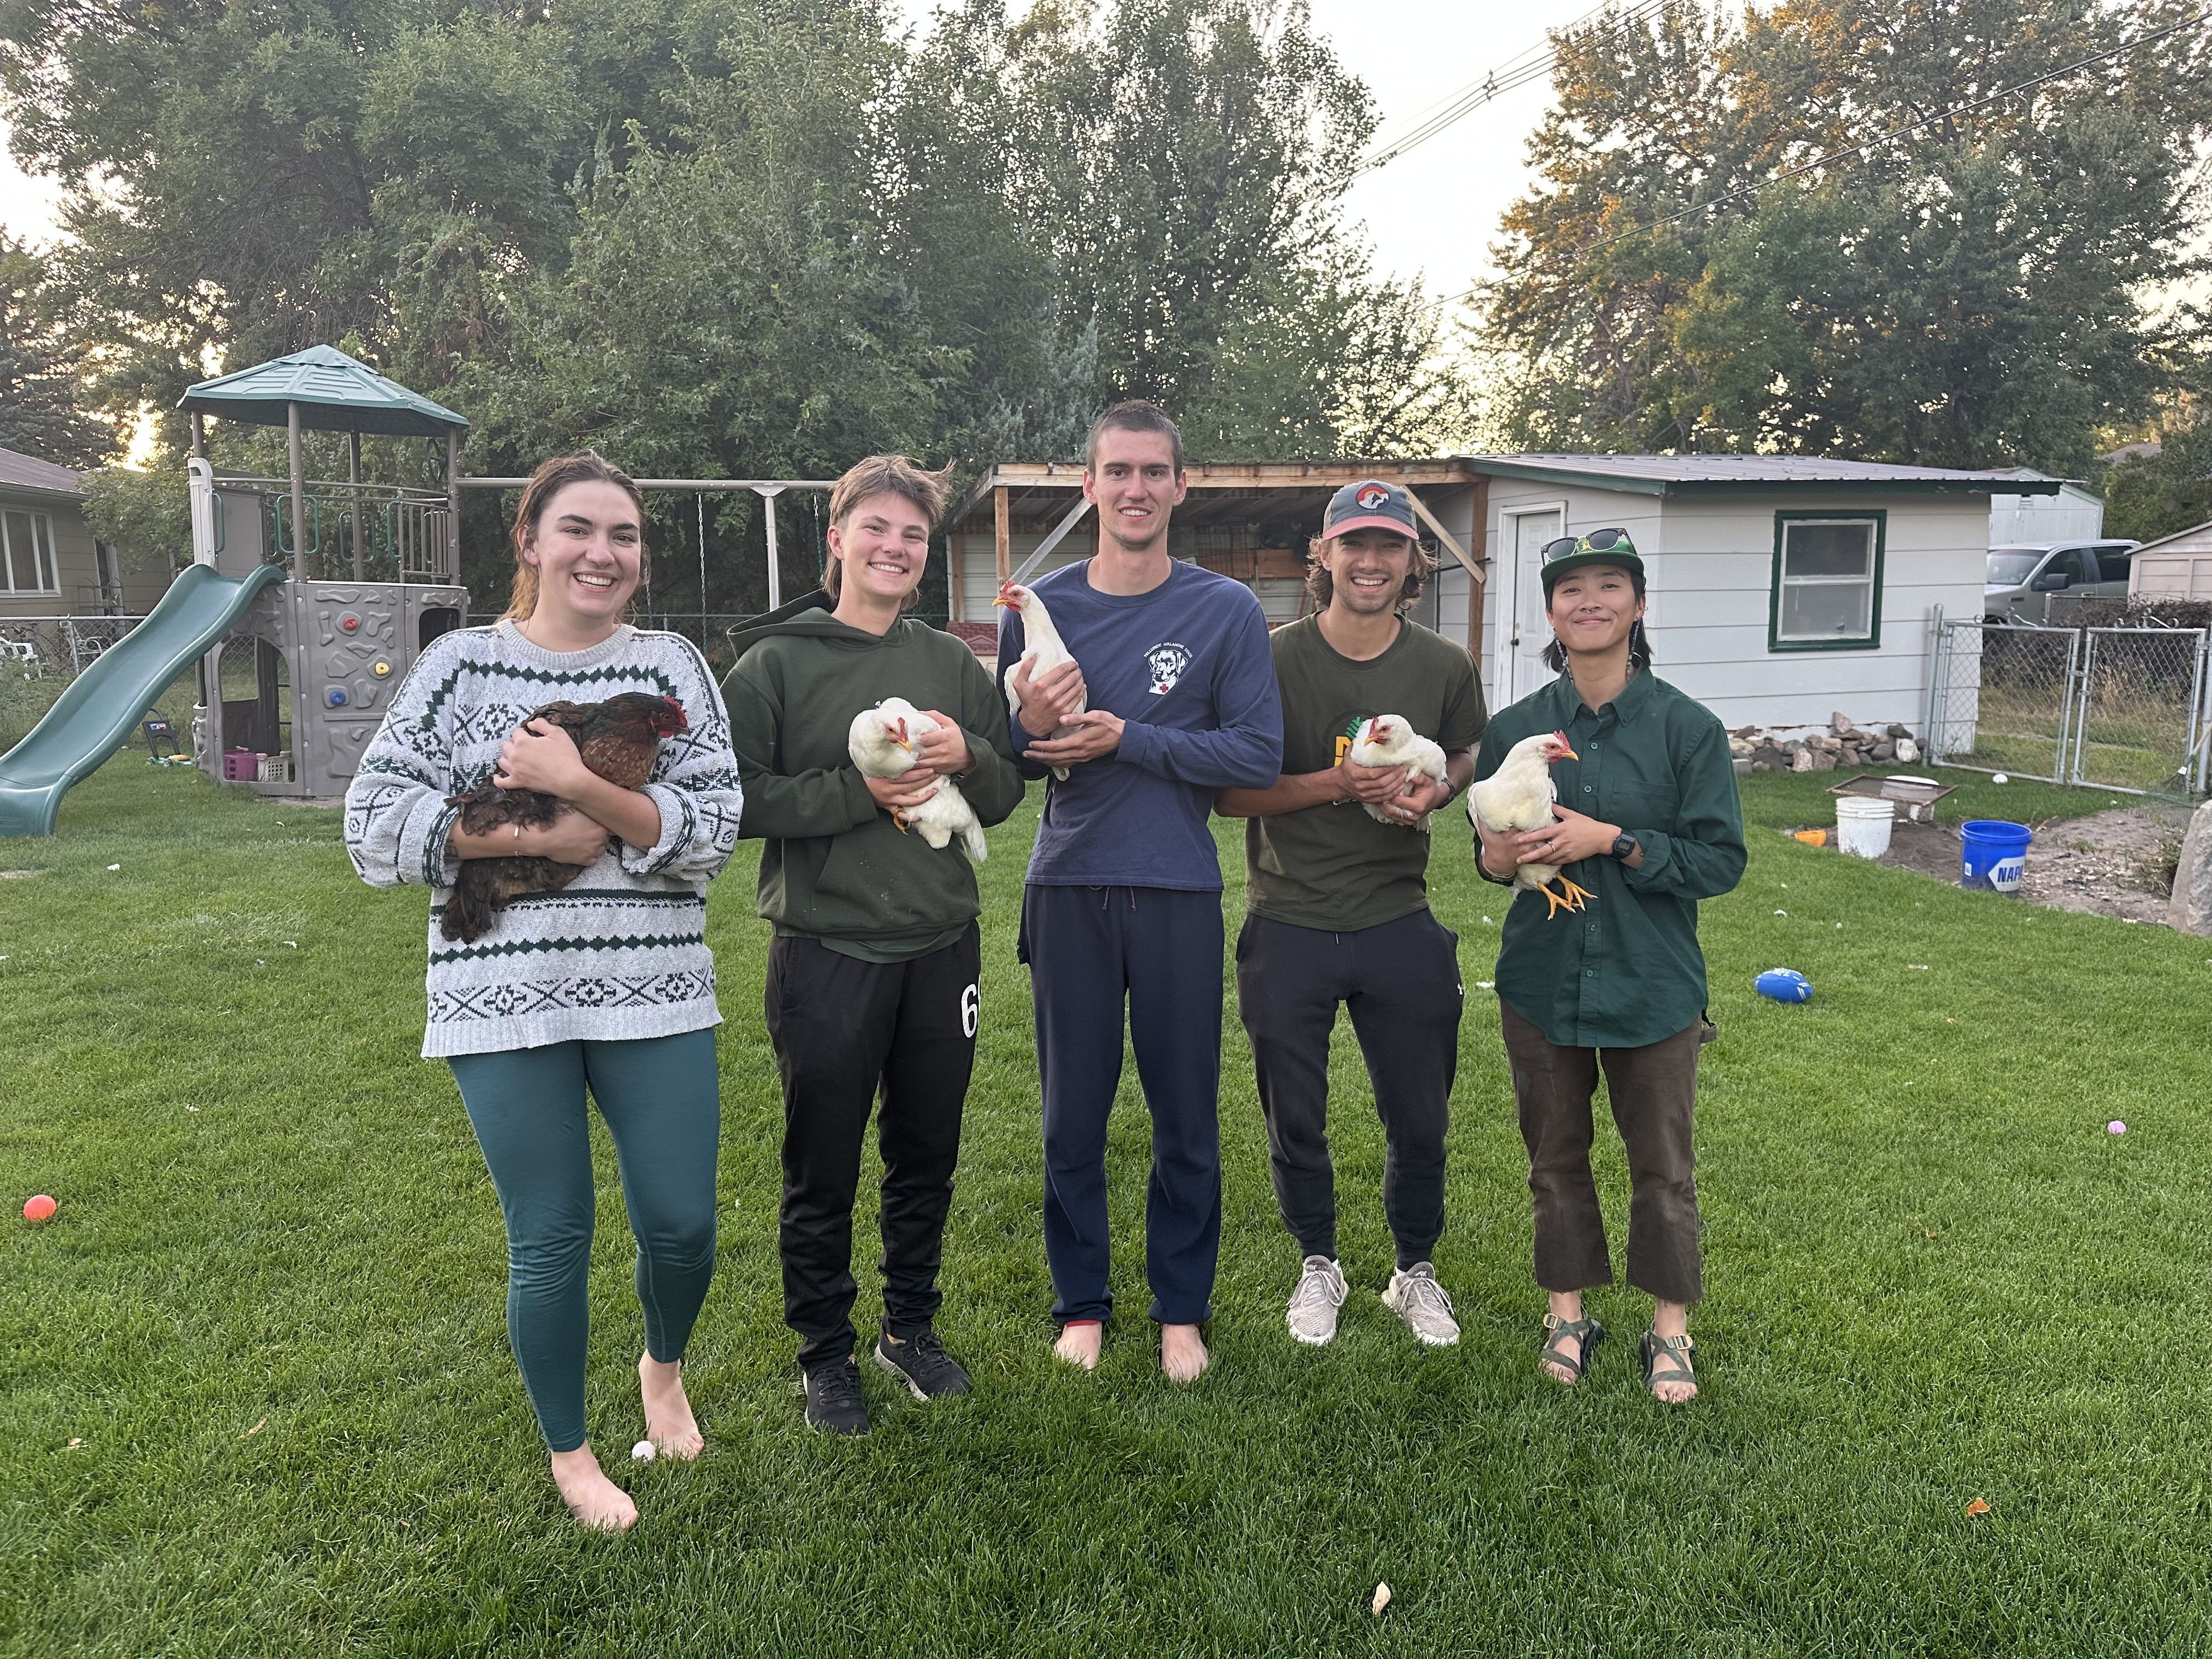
103 706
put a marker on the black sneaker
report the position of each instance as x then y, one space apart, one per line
922 1365
833 1398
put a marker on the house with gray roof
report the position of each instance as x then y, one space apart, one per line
51 563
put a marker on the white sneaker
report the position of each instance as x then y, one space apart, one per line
1321 1292
1416 1297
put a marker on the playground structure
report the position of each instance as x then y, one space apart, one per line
328 622
307 599
374 572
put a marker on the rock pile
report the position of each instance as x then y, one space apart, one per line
1844 743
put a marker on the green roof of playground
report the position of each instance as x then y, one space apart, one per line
335 392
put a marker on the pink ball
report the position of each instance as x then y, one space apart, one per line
38 1208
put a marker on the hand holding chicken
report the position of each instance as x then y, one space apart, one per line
894 739
1390 740
1519 797
617 739
1045 684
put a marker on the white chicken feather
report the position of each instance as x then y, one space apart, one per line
1042 650
1518 795
1390 740
882 743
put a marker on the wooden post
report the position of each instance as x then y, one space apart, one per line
1480 541
452 504
353 477
299 493
956 571
1002 512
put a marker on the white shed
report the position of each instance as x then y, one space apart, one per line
2176 566
1781 588
2071 514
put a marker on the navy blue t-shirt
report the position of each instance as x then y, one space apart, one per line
1187 665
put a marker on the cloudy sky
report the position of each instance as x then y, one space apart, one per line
1432 212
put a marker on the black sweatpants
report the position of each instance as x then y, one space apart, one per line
1400 981
845 1031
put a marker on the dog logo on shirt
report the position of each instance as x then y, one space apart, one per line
1167 662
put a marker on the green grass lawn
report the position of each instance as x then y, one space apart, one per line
258 1398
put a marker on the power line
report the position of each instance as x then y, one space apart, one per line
1514 73
1744 190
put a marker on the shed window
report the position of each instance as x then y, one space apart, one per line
1827 584
27 554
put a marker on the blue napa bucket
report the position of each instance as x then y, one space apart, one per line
1992 853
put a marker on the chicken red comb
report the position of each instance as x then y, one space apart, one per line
675 713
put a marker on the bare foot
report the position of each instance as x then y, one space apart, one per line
591 1496
668 1420
1183 1353
1078 1345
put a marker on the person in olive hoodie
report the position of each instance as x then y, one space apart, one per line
874 976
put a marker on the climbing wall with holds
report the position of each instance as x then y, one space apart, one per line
353 642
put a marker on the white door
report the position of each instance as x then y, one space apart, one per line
1523 660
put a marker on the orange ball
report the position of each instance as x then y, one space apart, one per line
39 1207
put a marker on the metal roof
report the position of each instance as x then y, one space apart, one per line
335 392
22 472
1668 475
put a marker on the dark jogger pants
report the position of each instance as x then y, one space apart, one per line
1400 980
845 1033
660 1099
1089 948
1652 1088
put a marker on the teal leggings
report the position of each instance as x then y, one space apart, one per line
660 1097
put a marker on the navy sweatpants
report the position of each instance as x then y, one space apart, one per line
1089 949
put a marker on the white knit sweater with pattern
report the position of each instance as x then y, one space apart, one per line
622 952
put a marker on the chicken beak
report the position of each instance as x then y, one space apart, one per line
900 737
1569 754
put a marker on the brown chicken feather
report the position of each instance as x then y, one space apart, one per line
618 739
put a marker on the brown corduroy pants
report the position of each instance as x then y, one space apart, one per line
1652 1090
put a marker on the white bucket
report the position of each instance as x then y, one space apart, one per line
1863 825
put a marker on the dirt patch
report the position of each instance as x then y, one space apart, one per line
2111 864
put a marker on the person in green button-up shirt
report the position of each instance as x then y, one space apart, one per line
1647 823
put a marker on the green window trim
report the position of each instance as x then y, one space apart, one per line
1877 517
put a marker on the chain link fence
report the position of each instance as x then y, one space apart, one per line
57 647
2119 708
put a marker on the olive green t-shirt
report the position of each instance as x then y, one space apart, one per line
1332 867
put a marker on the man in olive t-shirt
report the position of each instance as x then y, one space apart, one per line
1338 907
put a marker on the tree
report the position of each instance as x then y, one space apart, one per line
1980 291
38 377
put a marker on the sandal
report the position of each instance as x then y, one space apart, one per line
1675 1352
1586 1332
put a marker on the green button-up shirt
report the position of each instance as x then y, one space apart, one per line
1626 970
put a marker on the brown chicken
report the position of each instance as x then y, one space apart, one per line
619 739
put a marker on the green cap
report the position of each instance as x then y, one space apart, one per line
1568 553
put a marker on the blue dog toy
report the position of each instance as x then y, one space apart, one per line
1783 985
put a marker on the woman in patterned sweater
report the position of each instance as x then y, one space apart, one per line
605 984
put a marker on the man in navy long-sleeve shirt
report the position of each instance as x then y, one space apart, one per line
1123 899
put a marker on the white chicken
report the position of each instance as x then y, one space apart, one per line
1518 795
882 744
1390 740
1042 648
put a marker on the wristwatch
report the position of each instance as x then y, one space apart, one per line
1625 846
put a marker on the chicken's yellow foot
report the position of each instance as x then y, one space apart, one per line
899 820
1568 897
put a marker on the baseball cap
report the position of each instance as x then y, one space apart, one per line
1370 504
1568 553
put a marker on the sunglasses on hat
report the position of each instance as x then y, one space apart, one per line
1597 541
